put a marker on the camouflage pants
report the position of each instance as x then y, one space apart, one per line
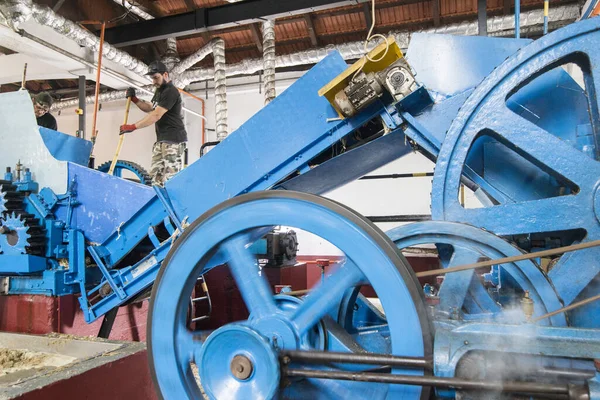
166 161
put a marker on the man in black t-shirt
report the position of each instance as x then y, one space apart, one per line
165 111
41 107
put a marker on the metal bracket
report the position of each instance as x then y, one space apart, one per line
164 199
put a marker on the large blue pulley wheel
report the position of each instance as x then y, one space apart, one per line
240 360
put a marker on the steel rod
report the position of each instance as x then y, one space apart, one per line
319 357
567 308
396 176
506 260
82 107
518 19
433 381
399 218
564 373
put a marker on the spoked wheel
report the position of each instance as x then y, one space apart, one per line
465 290
240 360
538 176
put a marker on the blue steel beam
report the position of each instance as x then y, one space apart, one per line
276 142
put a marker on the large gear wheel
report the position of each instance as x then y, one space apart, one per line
10 199
15 240
23 232
548 188
122 165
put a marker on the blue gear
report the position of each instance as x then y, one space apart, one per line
16 240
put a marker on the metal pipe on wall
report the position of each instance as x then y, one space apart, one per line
269 60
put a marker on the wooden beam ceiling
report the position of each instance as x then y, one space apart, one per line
312 32
257 36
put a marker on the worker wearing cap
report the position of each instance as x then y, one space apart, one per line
165 110
41 107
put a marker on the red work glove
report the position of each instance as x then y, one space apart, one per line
127 128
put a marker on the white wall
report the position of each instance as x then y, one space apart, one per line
370 198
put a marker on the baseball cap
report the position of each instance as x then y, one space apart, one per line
156 67
44 99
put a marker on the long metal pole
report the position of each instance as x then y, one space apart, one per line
482 17
434 381
546 7
320 357
506 260
396 176
517 19
567 308
82 94
97 93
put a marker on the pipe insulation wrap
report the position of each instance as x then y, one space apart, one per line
134 9
20 11
352 50
171 56
220 89
106 97
269 60
496 26
195 57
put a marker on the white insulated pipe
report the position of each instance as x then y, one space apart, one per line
269 60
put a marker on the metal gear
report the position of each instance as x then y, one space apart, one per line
15 240
565 201
10 199
18 224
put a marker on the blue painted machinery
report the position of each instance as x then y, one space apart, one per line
515 122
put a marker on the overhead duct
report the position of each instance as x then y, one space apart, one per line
496 26
195 57
171 56
353 50
269 60
220 89
134 9
19 11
